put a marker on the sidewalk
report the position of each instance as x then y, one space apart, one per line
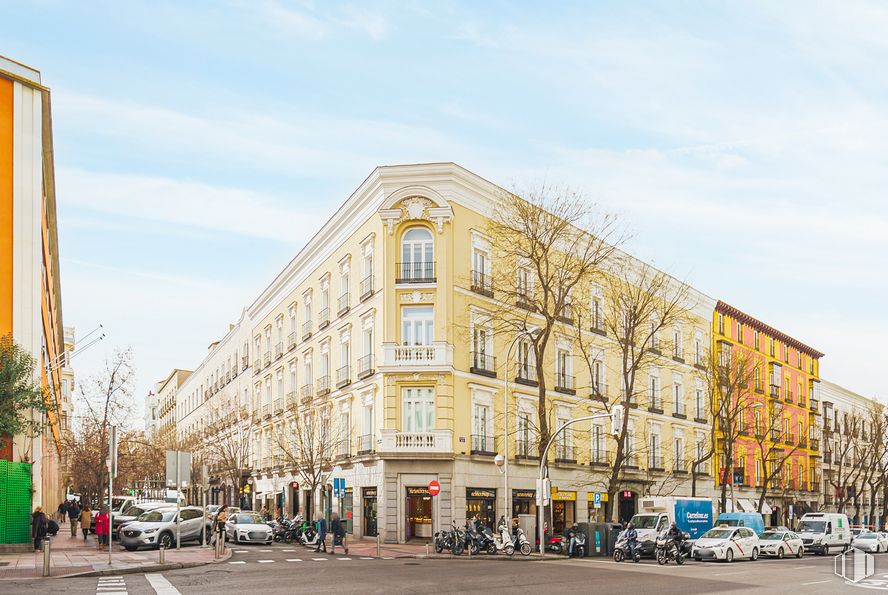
367 547
71 557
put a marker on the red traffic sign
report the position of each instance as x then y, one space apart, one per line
294 485
434 488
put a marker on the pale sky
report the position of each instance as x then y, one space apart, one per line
199 144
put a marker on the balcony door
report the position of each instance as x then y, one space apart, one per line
417 325
417 254
418 410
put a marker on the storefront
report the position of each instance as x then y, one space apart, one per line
523 502
346 513
597 515
481 501
564 510
627 505
418 509
368 509
293 499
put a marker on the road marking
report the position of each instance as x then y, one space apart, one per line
161 586
238 562
265 561
388 557
366 558
264 550
729 573
288 550
802 567
343 558
241 551
294 559
320 559
817 582
111 585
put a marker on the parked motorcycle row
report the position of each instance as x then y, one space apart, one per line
294 530
482 540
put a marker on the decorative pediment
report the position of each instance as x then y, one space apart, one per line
415 203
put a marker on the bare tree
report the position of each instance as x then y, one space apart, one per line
227 445
547 244
775 447
640 303
848 470
308 444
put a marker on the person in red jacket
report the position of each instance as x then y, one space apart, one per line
103 529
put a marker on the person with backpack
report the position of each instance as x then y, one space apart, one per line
39 526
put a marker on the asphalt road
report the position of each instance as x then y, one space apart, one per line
293 569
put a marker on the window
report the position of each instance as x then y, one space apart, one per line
563 378
293 385
524 434
699 401
280 384
758 378
629 446
755 339
721 324
678 451
344 432
417 255
268 392
268 339
482 422
525 358
524 285
597 443
418 410
758 472
677 348
678 393
344 354
801 432
700 451
698 348
655 333
656 461
481 264
654 388
344 274
787 432
366 344
597 310
771 343
292 313
739 336
598 379
368 425
417 325
482 342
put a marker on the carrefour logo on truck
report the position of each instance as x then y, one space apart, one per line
694 516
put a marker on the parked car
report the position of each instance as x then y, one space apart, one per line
781 544
824 531
157 528
248 527
870 542
727 543
212 509
134 512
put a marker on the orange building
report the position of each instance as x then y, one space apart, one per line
776 432
30 297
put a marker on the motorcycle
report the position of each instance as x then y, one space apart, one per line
579 549
621 549
444 540
281 529
502 541
309 537
472 539
555 544
521 542
667 549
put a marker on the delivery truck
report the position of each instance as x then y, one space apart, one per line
692 515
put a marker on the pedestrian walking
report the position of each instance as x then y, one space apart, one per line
219 522
85 521
74 516
322 533
338 532
102 528
63 511
39 524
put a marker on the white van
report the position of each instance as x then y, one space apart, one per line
822 532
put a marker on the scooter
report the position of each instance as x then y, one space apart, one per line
579 549
521 542
555 544
309 537
502 541
621 549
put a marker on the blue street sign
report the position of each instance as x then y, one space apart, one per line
597 499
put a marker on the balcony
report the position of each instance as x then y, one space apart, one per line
680 466
279 350
245 362
323 318
266 360
416 272
343 304
815 444
525 374
366 287
343 376
827 458
775 435
366 444
525 301
436 441
775 391
598 458
365 366
307 391
598 391
803 443
565 383
291 399
482 444
483 364
227 377
814 404
291 341
655 463
323 385
566 314
343 449
266 410
482 283
526 447
565 453
278 405
306 330
788 396
408 358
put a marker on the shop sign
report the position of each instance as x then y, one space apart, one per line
480 493
591 496
524 494
568 496
370 492
417 491
434 488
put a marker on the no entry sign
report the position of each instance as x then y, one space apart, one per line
434 488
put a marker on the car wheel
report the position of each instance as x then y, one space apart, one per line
165 541
698 559
800 552
755 554
729 556
779 553
131 548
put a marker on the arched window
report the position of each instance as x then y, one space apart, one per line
417 256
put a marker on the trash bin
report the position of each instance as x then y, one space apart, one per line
613 532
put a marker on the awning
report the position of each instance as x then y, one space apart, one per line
746 505
766 508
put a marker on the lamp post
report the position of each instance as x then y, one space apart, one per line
616 415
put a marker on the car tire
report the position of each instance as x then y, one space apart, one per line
698 559
166 541
131 548
729 556
779 553
801 552
755 554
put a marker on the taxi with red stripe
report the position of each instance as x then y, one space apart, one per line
781 544
727 543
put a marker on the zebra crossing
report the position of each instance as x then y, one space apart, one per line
111 585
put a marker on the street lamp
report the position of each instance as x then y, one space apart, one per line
616 415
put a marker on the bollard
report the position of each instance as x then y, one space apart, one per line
427 550
161 555
377 545
46 555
